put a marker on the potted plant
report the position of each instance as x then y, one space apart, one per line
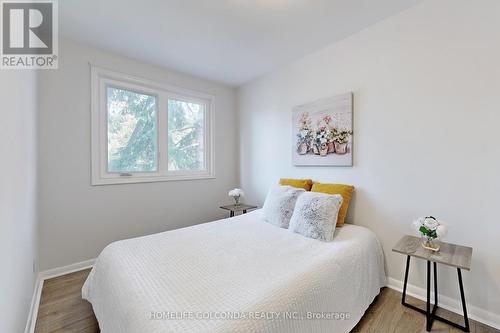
304 135
303 141
341 140
430 229
331 140
326 123
321 141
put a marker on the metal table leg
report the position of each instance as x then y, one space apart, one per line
462 295
431 314
403 300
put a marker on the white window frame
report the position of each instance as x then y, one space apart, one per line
101 79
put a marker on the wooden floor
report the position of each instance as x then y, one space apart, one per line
63 310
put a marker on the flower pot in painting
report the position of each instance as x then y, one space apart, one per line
302 149
340 148
331 147
315 149
323 149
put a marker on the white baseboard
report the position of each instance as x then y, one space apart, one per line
35 303
448 303
45 275
59 271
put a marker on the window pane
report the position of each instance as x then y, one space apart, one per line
186 148
131 131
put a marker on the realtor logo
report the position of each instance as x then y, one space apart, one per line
29 34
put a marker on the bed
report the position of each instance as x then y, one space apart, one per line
239 274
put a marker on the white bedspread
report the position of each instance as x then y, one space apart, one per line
268 277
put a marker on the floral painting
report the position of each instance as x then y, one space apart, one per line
322 132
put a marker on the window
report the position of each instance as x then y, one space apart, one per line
186 125
131 131
143 131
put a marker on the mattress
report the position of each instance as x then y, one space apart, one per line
236 275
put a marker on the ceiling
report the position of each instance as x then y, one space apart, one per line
229 41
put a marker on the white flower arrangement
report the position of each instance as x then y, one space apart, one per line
304 136
430 228
236 194
321 136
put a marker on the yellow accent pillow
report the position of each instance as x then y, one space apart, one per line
344 190
300 183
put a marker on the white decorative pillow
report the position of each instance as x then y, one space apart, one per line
315 215
279 205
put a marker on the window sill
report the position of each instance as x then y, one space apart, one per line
149 179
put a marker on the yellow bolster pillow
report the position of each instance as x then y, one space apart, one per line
300 183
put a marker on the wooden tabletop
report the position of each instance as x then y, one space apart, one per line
238 208
449 254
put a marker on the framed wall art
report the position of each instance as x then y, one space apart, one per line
323 132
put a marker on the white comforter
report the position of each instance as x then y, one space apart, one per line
272 280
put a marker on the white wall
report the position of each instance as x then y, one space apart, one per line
426 86
18 225
78 220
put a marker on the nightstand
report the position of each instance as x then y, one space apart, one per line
237 208
452 255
